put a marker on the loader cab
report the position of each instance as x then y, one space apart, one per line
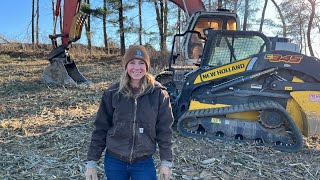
187 48
202 20
224 47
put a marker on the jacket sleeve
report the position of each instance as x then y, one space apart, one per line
164 127
101 125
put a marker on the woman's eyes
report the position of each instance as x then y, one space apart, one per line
139 62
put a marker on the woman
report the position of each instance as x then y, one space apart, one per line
133 118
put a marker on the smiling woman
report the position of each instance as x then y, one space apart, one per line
134 117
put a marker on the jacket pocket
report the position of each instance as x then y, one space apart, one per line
146 139
118 130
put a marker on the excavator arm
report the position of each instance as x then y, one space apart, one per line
190 6
62 70
73 21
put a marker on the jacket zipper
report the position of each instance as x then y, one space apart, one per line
133 127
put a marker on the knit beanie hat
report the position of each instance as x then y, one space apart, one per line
136 52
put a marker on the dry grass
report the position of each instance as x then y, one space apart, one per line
45 130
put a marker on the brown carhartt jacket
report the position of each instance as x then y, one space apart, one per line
130 128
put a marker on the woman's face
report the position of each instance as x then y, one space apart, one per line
136 69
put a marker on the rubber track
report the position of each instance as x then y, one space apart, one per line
212 112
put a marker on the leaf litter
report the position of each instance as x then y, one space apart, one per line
45 130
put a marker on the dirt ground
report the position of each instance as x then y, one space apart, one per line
45 130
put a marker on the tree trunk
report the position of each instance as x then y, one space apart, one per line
159 21
262 16
313 4
53 14
37 24
235 5
300 30
162 26
304 41
88 30
60 20
165 26
284 26
178 42
179 21
140 22
121 27
219 4
246 14
32 23
104 21
162 22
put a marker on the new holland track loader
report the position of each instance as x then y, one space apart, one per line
62 69
243 88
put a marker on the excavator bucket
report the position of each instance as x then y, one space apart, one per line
62 70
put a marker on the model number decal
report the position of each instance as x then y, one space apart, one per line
286 58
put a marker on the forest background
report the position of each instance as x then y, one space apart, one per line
154 22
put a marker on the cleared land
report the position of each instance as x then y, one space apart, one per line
45 130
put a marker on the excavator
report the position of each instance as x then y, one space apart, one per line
243 87
62 69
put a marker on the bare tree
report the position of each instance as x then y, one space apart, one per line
284 26
179 21
263 13
296 14
104 21
313 9
88 29
246 14
140 22
162 12
119 7
235 5
32 23
60 19
37 23
121 28
300 30
53 13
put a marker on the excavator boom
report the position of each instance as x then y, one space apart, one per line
62 70
190 6
71 8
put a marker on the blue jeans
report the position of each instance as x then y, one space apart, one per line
116 169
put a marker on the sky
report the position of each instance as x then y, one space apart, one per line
14 17
15 20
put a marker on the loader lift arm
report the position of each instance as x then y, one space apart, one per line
62 70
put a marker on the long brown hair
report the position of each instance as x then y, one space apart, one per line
146 83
